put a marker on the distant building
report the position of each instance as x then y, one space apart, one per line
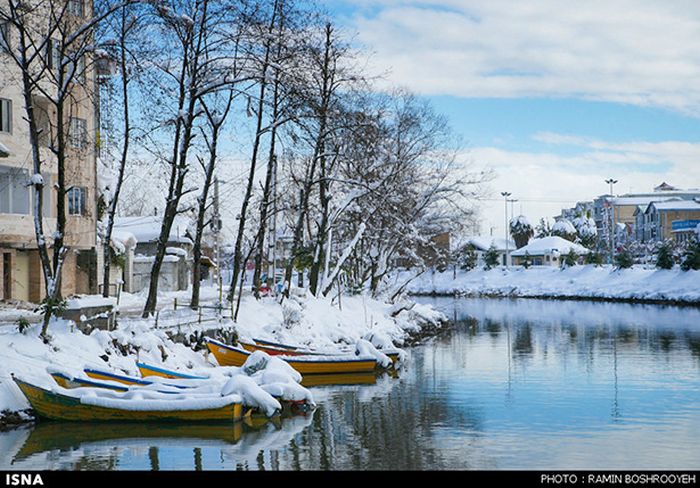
547 251
481 244
660 218
685 230
581 209
629 209
176 272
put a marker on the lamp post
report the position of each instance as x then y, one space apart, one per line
505 196
611 182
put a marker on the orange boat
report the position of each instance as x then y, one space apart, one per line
305 364
276 349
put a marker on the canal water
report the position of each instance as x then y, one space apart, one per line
514 384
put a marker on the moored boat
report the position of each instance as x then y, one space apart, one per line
56 405
147 370
125 379
69 382
234 356
274 349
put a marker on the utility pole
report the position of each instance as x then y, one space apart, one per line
611 182
216 229
272 233
505 196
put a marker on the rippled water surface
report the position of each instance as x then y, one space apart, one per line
516 384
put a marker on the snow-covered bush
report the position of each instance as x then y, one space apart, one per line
291 313
564 229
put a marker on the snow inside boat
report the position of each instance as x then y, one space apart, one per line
234 356
62 404
274 349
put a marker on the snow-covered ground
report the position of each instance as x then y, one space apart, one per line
596 282
317 323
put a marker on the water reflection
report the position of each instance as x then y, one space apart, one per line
516 384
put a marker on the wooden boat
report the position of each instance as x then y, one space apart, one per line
339 379
57 406
125 379
234 356
69 382
147 370
275 349
288 406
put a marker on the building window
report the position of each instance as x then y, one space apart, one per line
80 69
14 193
76 7
5 115
76 200
5 36
53 56
78 133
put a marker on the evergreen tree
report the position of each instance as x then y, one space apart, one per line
594 258
664 258
543 229
623 259
571 259
527 260
491 258
691 258
468 259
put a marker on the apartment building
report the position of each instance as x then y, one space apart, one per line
20 266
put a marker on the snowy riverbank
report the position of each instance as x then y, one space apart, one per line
577 282
308 321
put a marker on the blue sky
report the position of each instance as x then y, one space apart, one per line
553 99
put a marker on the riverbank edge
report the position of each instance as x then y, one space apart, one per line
579 298
11 419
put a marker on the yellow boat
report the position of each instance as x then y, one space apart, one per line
101 375
147 370
339 379
57 406
233 356
69 382
275 349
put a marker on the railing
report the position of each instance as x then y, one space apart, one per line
174 317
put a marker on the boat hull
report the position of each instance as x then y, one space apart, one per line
231 356
55 406
274 349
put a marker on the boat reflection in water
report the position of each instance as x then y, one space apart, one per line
153 446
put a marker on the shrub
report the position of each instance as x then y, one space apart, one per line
664 257
491 258
623 259
691 257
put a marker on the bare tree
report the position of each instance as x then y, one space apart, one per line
196 64
52 54
216 117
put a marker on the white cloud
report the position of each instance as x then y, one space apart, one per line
544 182
642 52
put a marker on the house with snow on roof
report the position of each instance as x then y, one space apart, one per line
675 219
547 251
176 271
481 244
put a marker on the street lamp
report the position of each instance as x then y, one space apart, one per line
611 182
505 196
